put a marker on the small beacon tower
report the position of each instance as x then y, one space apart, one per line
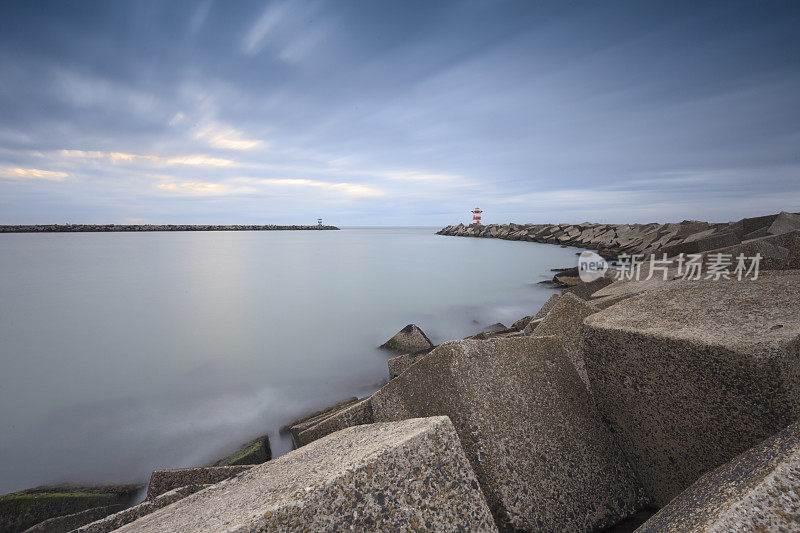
476 216
319 222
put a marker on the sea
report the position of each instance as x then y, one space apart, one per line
121 353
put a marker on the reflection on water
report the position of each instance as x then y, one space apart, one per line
125 352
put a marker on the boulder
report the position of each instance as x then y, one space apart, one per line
565 322
757 234
692 373
294 428
254 452
543 458
540 315
793 259
623 289
568 281
784 223
162 481
380 477
711 242
410 339
774 250
64 524
585 290
494 328
689 227
542 312
356 414
571 272
700 235
126 516
21 510
757 491
750 225
520 324
398 364
531 327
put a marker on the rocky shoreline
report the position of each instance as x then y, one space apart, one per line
75 228
668 403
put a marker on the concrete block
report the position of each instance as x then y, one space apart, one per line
409 475
695 372
544 459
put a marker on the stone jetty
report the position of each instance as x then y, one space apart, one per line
766 234
667 403
78 228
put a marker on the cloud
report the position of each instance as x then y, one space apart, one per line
221 136
33 174
200 160
112 156
349 189
301 45
197 187
270 18
116 157
428 111
418 175
90 91
199 17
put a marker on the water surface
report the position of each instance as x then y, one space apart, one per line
125 352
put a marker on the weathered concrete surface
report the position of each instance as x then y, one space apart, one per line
410 339
621 290
63 524
117 520
409 475
397 365
784 223
695 372
586 290
541 454
162 481
353 415
531 325
494 328
490 332
546 307
520 324
21 510
757 491
774 250
302 424
793 260
565 322
255 452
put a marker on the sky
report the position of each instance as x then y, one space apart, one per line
397 113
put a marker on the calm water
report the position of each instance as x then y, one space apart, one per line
125 352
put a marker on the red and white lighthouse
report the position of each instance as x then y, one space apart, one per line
476 216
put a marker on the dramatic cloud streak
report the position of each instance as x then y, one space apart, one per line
386 112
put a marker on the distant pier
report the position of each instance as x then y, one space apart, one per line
73 228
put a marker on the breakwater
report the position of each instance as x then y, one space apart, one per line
74 228
689 236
